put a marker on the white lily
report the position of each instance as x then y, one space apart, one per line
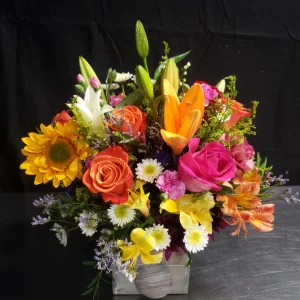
92 109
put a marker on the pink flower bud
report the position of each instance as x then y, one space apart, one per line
115 100
94 82
80 78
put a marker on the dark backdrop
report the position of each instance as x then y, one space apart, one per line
256 40
40 42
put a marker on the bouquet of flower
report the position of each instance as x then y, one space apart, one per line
149 164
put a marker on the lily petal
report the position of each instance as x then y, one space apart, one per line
193 99
189 124
175 141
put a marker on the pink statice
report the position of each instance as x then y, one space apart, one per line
210 92
115 100
169 183
242 154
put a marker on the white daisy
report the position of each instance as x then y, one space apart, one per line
112 86
61 234
120 214
195 238
148 170
122 77
161 236
88 222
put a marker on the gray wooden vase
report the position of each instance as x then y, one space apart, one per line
168 277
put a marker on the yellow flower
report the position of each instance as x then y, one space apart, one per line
144 243
54 154
139 201
181 119
191 210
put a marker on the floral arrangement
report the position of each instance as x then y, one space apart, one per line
149 165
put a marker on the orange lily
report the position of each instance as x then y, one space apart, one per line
182 119
246 207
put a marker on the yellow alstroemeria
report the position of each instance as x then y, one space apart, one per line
144 243
182 119
191 210
139 201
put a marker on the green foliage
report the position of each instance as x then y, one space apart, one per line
231 86
166 51
227 191
215 115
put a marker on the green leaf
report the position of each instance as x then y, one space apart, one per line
87 292
93 282
89 263
227 191
176 58
189 262
135 98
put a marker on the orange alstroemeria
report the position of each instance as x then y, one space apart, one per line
238 112
246 207
182 119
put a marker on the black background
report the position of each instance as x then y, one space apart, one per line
258 41
40 41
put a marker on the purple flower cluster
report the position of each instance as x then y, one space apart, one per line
108 255
273 180
46 203
289 197
40 220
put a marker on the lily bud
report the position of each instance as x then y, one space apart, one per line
80 78
142 45
144 82
86 70
170 73
94 82
221 85
79 88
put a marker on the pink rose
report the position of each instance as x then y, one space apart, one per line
200 171
169 183
242 154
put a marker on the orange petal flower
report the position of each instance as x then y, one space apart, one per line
246 207
238 112
182 119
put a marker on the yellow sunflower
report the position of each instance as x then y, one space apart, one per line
55 154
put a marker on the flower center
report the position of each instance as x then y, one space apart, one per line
158 235
194 238
61 153
121 212
150 170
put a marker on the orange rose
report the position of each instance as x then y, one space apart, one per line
238 112
61 117
110 175
130 120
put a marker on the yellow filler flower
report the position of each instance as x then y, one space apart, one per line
54 154
144 243
191 210
182 119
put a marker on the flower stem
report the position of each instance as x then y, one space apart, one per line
145 64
